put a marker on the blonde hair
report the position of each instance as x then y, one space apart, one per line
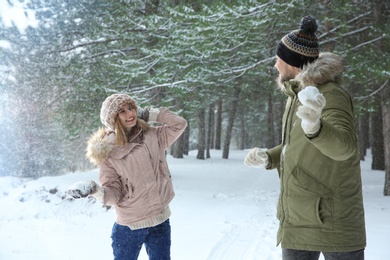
123 135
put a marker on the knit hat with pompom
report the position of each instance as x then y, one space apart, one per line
300 47
111 106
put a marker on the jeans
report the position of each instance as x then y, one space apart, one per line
291 254
127 243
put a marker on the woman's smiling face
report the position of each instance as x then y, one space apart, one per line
127 115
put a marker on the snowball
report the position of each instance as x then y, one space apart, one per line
308 93
81 189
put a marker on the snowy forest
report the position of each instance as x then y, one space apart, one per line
209 61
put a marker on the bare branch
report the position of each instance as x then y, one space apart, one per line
345 34
235 47
373 93
149 66
348 22
234 77
365 43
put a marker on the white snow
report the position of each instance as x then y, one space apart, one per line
17 14
222 210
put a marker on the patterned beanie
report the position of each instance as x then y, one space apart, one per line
111 106
300 46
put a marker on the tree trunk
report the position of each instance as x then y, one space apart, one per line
364 134
229 129
212 125
201 133
218 132
186 139
177 150
381 8
210 131
243 134
151 6
270 122
385 102
278 115
378 160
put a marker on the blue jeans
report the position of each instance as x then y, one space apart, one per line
291 254
127 243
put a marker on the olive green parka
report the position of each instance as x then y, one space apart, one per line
320 205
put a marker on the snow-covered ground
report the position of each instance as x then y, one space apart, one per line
222 210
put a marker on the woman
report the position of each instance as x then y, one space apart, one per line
134 175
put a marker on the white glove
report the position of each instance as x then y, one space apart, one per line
84 189
310 112
256 158
153 113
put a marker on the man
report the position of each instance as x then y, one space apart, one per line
320 206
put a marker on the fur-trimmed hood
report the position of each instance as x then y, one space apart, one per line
103 142
327 68
100 145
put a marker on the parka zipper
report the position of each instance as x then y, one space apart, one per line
292 101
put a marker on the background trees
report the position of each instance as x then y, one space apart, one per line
210 61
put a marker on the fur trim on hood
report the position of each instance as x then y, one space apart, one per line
100 145
327 68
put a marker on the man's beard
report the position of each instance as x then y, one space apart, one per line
283 78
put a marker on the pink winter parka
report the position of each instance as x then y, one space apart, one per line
135 177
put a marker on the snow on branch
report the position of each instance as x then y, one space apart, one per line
144 89
107 52
256 10
89 43
242 70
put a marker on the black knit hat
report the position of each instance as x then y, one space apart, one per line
300 47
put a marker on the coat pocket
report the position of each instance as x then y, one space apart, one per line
310 202
310 211
128 189
164 169
127 193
